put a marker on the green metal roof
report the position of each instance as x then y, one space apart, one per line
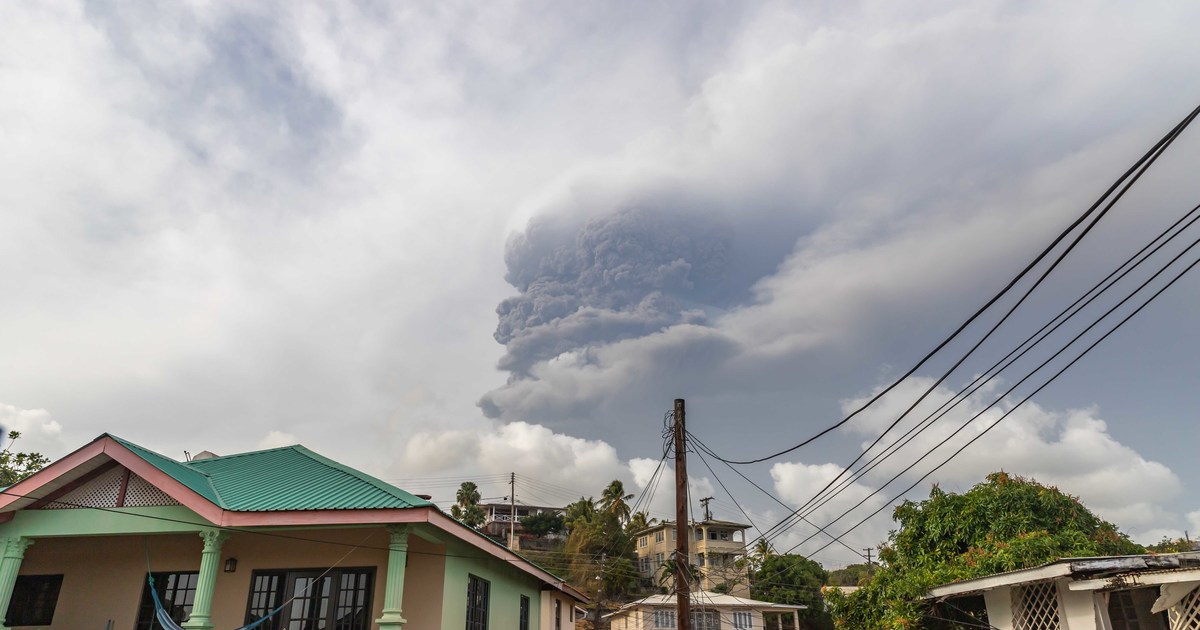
287 478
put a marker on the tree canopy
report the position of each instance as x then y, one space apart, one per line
543 523
466 508
1003 524
852 575
614 500
15 466
792 579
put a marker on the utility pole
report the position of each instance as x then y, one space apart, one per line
682 577
707 512
512 517
868 550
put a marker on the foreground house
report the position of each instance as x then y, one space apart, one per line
1147 592
710 611
230 539
716 546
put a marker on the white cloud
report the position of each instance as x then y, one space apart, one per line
1071 450
552 468
275 439
40 433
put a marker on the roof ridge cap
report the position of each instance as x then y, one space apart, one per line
362 476
232 455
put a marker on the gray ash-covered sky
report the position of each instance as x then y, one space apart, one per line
465 239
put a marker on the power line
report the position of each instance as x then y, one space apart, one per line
960 449
1135 171
1137 259
760 488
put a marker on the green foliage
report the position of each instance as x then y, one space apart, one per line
666 579
467 507
639 521
580 513
543 523
17 466
1003 524
852 575
792 579
600 545
614 500
1167 545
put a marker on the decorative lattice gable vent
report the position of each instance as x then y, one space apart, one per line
1186 614
1035 607
104 491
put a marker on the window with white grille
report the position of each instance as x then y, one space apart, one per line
1035 607
1186 614
706 620
743 619
664 619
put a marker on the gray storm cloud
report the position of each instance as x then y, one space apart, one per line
615 277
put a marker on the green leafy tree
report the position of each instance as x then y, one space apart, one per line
600 550
1168 545
580 514
466 507
666 578
614 500
543 523
15 466
1003 524
852 575
793 579
759 552
639 521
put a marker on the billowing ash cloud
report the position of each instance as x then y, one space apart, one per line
616 277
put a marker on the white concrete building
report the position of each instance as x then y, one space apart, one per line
1147 592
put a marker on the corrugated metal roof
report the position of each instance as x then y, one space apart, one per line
287 478
295 478
193 479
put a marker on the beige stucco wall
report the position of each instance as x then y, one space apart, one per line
103 576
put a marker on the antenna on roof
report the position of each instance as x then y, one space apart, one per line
187 457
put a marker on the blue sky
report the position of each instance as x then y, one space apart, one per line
462 240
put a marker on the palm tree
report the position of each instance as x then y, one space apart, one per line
639 521
614 500
580 513
666 579
467 507
759 554
468 494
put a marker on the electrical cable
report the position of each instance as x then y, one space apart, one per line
1157 151
714 474
1010 410
1037 337
1147 160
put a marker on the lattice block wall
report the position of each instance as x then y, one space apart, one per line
104 490
1035 607
1186 614
141 494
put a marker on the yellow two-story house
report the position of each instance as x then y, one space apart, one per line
715 547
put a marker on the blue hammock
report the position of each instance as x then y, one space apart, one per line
165 620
